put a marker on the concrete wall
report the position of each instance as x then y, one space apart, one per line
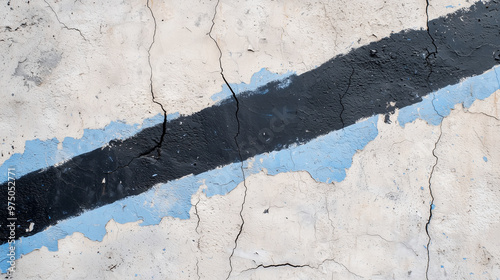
250 139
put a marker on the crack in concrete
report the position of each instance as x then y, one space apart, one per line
134 158
328 214
63 24
198 216
280 265
428 29
472 51
431 207
342 96
198 233
158 146
345 267
235 139
198 269
391 241
331 25
482 113
301 266
434 53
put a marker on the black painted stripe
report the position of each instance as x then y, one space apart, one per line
401 69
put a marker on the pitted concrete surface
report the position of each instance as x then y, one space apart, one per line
252 140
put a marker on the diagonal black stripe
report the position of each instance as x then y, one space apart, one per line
401 69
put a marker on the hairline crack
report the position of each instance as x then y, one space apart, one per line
431 206
235 139
62 23
158 145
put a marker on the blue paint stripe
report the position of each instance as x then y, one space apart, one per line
259 79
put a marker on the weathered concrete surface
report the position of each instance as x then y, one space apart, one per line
72 66
97 54
465 224
271 33
371 225
394 72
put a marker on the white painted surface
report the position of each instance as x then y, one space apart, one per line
371 225
89 65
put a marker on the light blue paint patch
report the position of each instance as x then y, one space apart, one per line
334 150
423 110
171 199
224 179
258 79
485 159
438 104
326 158
433 206
450 6
36 154
42 154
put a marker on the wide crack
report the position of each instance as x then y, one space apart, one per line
431 206
235 139
429 84
434 53
428 30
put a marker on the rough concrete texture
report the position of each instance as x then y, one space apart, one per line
70 65
371 225
83 65
466 195
420 200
